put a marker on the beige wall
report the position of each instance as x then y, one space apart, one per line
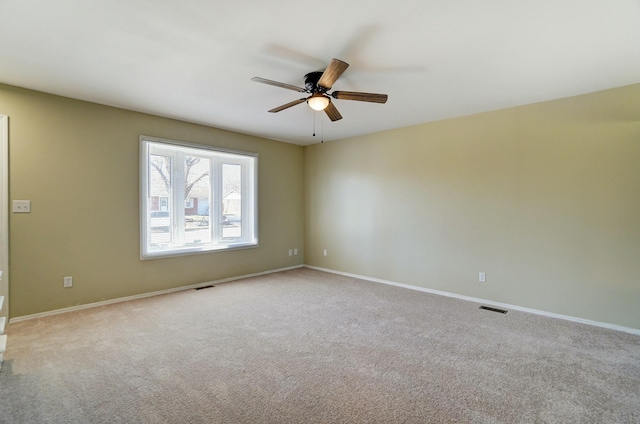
544 198
78 164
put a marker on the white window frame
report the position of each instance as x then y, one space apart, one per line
217 157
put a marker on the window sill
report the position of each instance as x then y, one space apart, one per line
186 251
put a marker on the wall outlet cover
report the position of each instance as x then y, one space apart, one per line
22 206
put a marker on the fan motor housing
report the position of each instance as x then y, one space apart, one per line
311 82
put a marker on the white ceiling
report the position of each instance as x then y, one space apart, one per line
193 60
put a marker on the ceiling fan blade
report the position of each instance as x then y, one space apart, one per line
288 105
332 112
362 97
278 84
332 73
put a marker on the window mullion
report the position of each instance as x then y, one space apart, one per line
216 187
177 208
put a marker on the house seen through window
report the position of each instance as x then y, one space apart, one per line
195 198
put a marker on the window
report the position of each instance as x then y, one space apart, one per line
195 198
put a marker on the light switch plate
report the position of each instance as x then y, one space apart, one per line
22 206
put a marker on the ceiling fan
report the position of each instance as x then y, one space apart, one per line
318 85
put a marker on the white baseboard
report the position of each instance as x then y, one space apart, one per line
143 295
483 301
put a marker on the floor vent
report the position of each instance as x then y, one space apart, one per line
489 308
205 287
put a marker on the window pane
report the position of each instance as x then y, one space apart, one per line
159 231
231 201
197 200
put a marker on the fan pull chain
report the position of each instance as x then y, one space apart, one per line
321 127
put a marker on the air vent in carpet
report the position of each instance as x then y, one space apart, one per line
489 308
205 287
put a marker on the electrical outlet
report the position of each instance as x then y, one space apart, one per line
324 252
482 277
22 206
295 252
68 282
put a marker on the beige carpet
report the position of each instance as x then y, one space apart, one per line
304 346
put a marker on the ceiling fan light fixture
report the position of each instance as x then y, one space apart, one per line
318 101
